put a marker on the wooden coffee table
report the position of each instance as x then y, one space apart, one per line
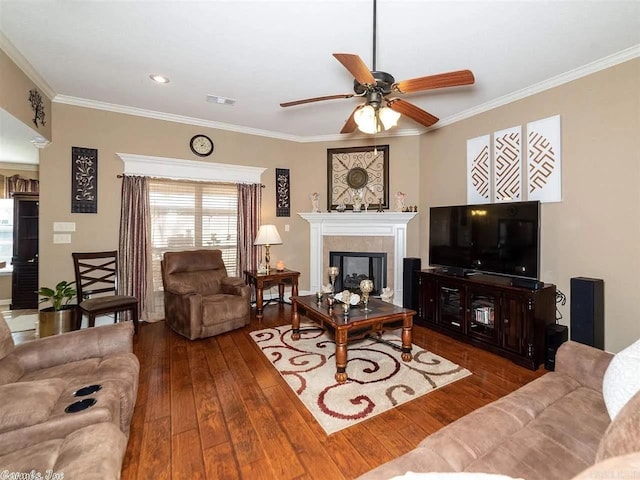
356 326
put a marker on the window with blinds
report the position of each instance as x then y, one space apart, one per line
188 215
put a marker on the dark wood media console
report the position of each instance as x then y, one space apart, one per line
488 312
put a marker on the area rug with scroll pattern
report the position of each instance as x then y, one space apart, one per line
378 380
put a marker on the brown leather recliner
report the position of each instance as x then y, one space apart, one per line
200 300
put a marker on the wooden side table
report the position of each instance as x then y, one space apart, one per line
262 280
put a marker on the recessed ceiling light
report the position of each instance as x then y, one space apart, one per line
156 77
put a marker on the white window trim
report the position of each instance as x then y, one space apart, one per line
181 169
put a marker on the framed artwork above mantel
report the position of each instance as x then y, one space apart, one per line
361 172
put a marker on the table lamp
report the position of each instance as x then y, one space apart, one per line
268 235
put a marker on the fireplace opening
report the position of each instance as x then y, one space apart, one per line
357 266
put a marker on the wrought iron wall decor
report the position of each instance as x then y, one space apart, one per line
358 175
84 180
283 193
37 106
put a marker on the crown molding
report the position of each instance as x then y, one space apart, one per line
22 63
170 117
575 74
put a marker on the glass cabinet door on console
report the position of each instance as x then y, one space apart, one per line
483 313
451 305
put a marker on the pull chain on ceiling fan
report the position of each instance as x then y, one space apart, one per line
380 112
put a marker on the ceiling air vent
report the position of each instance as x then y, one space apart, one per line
220 100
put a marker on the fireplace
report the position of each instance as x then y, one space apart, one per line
357 266
362 232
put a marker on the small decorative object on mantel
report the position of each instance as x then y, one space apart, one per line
400 196
84 180
315 198
283 193
37 106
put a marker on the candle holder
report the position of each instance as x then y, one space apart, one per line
366 287
333 273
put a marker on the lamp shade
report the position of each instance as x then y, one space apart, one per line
268 235
388 117
365 118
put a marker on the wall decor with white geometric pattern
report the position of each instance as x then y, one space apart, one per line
544 155
507 164
479 170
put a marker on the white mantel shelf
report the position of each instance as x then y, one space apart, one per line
361 224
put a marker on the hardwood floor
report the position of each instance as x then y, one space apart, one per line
217 409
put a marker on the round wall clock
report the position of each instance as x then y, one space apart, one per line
201 145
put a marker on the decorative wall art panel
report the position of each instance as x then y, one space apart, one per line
478 170
84 180
283 193
544 155
507 158
358 176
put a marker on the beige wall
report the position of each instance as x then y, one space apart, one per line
14 96
595 230
114 132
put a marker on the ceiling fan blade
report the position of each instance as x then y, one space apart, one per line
316 99
411 111
350 125
356 67
441 80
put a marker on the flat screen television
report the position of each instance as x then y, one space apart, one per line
501 238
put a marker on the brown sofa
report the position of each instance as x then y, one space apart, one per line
41 378
555 427
200 299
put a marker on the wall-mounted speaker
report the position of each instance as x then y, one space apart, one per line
587 311
410 282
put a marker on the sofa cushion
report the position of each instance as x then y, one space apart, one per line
28 403
621 380
623 435
120 369
10 369
91 453
560 442
57 423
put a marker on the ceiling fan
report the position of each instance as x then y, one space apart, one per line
380 111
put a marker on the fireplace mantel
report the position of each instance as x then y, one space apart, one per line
361 224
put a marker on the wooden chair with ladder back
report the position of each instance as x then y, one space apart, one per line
97 287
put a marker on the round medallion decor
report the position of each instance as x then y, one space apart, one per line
357 178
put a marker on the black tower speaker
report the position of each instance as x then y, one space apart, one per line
555 336
410 282
587 311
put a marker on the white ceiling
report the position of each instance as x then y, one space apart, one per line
261 53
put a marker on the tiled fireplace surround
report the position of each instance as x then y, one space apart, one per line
358 232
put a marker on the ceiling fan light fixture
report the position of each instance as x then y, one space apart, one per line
365 118
388 117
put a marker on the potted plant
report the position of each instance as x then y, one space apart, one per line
60 316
